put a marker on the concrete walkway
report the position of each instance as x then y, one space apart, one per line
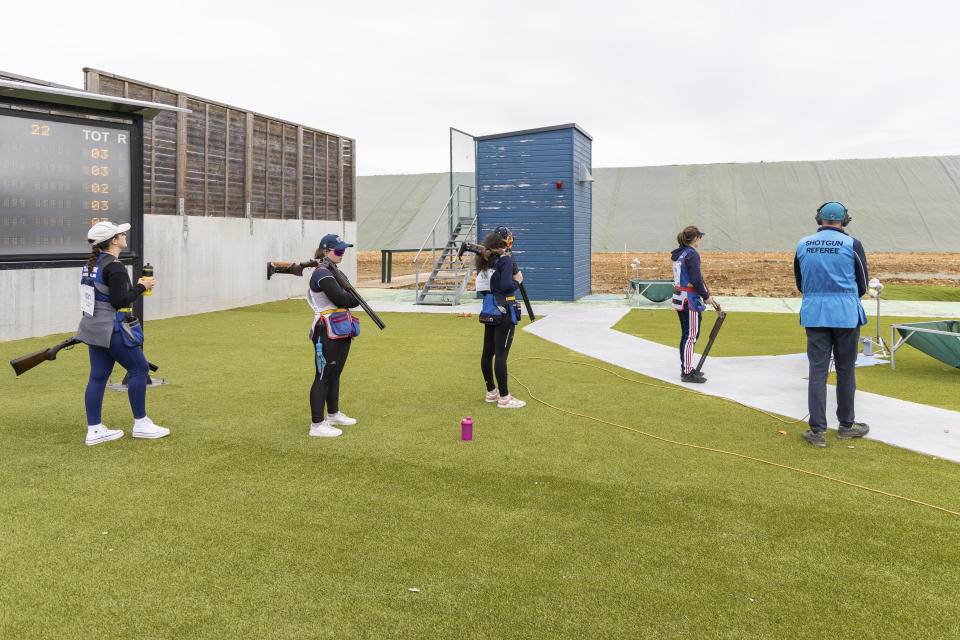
772 383
897 308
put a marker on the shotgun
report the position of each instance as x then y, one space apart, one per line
478 249
296 269
713 336
25 363
342 279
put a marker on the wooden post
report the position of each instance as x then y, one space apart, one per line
206 157
299 170
226 170
181 153
283 168
326 175
353 181
313 211
153 157
248 166
266 173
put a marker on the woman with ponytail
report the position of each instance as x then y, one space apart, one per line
497 281
690 297
113 335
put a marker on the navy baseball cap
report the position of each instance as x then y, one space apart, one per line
333 241
503 231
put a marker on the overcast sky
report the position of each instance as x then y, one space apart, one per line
654 83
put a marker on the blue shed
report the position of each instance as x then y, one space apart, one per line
537 182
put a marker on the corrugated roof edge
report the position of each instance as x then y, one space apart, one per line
524 132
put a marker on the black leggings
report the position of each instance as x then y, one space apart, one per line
496 342
326 384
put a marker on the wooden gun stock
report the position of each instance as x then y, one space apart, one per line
293 268
25 363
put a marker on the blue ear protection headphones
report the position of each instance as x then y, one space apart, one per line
833 211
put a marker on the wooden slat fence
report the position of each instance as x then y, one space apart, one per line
219 159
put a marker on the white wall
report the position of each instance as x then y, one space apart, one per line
209 265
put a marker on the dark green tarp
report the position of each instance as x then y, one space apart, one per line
945 348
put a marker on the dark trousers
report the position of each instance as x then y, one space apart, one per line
842 343
101 366
326 383
689 332
496 342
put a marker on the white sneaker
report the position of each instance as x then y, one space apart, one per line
97 433
509 402
492 396
340 418
324 430
144 428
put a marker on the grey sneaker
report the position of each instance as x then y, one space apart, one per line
816 439
856 430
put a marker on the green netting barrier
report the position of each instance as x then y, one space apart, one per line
939 339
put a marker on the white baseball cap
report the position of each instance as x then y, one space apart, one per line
104 230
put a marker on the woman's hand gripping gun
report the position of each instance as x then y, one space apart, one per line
478 249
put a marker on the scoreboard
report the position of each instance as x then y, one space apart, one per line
59 175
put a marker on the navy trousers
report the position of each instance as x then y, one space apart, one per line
101 366
842 343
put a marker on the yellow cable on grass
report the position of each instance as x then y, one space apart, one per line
700 447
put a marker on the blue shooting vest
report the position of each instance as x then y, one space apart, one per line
98 329
684 294
829 280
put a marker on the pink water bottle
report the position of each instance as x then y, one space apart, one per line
466 428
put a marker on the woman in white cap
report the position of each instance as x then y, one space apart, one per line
332 332
113 335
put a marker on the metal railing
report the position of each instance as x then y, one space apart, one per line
459 208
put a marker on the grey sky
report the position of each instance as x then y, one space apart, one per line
654 82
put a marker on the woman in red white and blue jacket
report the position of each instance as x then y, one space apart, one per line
690 297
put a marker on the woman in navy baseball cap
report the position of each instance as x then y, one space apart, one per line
332 331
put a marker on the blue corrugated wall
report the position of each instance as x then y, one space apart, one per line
517 179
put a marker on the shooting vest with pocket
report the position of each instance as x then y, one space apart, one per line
97 329
337 322
495 305
685 296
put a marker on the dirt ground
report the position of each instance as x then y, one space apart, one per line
727 274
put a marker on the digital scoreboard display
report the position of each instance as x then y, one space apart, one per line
58 176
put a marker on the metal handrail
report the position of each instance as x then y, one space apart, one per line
432 236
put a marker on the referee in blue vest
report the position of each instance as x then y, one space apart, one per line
831 272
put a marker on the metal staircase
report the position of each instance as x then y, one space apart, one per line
448 276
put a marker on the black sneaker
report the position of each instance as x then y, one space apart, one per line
693 376
856 430
816 439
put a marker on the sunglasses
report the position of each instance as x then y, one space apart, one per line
339 252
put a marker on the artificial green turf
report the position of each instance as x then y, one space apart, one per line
546 525
918 377
911 292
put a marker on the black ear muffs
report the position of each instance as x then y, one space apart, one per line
846 216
